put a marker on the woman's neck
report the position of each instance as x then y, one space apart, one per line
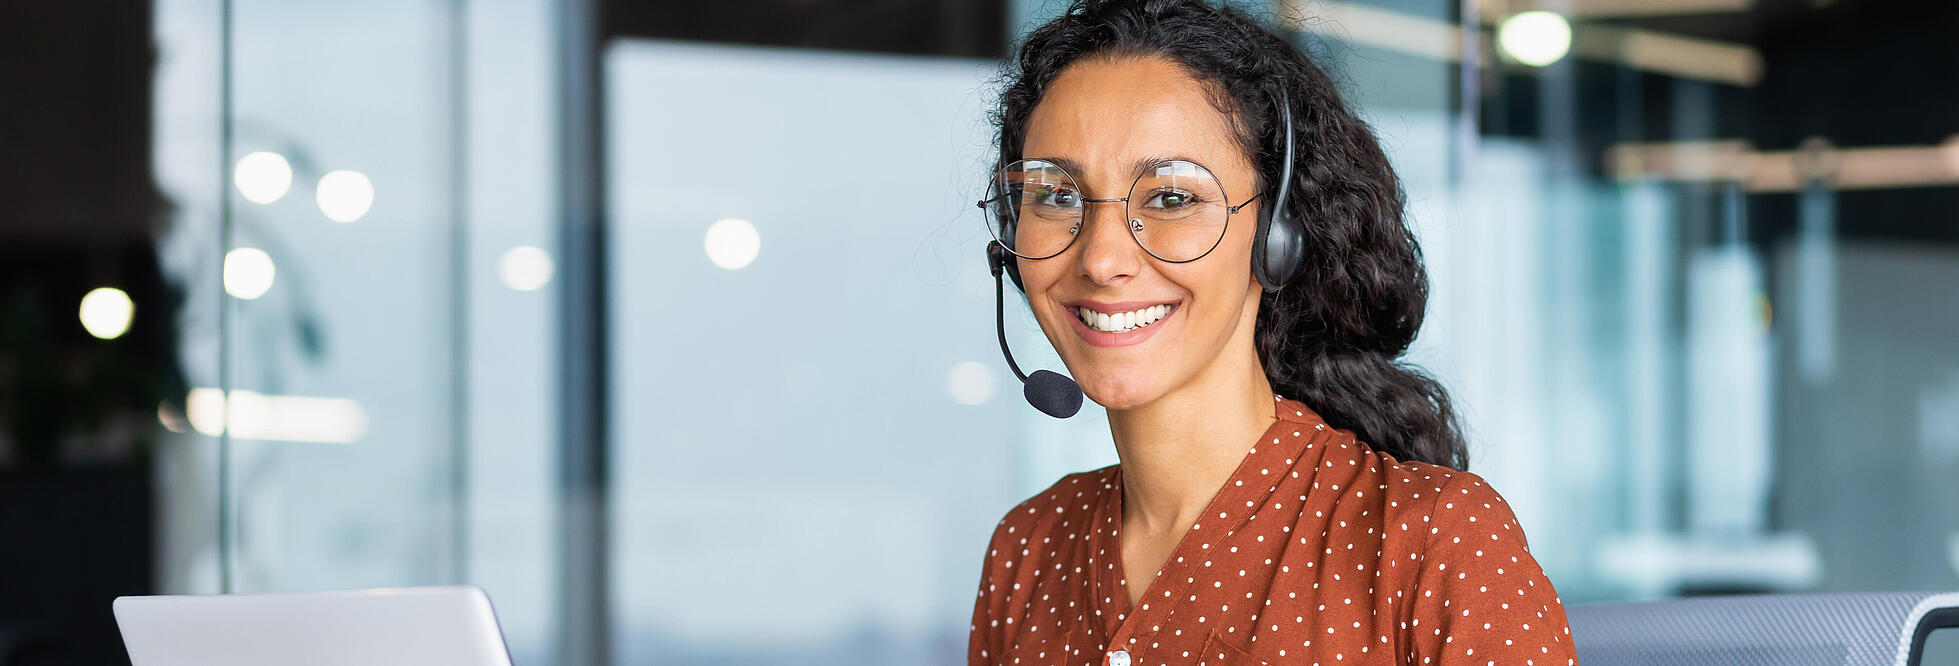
1178 450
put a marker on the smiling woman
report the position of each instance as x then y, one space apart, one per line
1288 491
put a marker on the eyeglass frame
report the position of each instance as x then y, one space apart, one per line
1134 224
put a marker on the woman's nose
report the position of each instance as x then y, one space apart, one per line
1108 252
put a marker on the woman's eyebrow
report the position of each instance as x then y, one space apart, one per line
1143 163
1067 164
1136 167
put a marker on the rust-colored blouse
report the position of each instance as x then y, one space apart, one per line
1318 550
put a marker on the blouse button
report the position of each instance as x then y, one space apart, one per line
1119 658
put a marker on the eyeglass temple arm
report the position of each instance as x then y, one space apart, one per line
1234 209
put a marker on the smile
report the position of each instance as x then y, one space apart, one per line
1124 322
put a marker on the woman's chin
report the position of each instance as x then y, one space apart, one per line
1119 393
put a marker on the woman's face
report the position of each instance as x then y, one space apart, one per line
1107 117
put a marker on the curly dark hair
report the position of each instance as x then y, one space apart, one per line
1332 336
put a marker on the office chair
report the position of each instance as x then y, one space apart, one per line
1892 629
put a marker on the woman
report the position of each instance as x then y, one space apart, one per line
1288 493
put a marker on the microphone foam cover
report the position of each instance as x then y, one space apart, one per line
1053 393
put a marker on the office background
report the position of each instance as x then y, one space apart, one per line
667 323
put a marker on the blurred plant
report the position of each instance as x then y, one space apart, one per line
66 397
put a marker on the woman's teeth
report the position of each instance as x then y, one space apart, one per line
1123 322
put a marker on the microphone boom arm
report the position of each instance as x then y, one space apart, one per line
1000 321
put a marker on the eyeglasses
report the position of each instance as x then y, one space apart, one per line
1177 210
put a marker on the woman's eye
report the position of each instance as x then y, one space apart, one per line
1059 197
1170 200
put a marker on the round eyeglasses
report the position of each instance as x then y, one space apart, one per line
1176 210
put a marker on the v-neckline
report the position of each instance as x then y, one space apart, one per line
1125 609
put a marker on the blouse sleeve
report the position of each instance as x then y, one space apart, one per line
1480 597
982 644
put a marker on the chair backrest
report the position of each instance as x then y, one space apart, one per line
1873 629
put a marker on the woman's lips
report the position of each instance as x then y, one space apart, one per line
1106 339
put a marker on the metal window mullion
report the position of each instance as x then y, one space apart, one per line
584 622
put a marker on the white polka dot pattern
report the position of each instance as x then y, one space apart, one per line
1317 550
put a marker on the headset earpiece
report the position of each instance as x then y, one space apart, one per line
998 255
1279 246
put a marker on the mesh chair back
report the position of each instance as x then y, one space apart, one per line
1872 629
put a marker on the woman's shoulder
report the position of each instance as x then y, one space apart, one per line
1476 588
1437 500
1066 505
1448 510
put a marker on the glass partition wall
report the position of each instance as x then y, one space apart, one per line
1692 303
339 475
362 219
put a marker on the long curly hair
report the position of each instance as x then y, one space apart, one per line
1333 335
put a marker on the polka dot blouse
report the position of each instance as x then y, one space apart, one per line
1318 550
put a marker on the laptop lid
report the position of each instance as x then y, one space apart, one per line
414 625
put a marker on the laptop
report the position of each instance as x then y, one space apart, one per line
422 626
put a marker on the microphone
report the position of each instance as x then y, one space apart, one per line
1051 392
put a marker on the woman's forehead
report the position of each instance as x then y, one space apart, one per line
1109 115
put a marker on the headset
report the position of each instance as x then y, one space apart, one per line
1279 246
1278 251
